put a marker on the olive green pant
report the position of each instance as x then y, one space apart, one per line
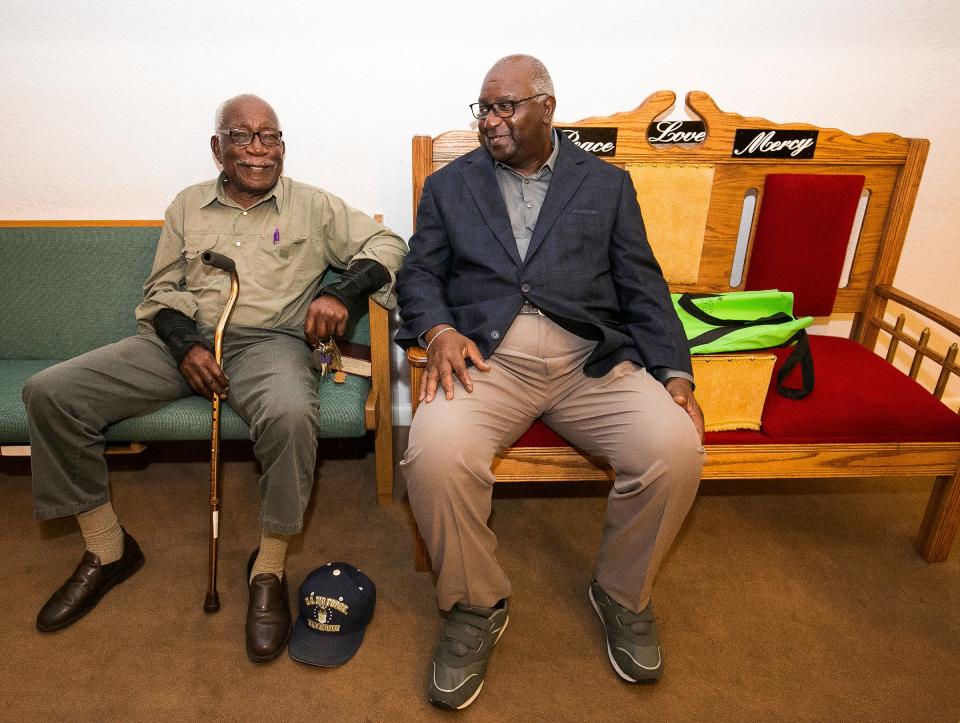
625 417
273 387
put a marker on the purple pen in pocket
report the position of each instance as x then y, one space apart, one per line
276 236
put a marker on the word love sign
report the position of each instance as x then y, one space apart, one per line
598 141
764 143
670 132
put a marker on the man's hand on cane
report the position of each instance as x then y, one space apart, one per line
203 374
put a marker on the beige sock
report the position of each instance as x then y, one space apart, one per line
273 555
102 533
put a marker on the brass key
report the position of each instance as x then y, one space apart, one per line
337 360
323 356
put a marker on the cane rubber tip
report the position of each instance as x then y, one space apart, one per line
212 603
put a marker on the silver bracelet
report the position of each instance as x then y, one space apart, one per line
435 336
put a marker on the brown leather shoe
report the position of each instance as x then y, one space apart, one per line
268 615
89 582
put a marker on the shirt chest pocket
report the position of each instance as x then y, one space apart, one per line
284 263
198 275
274 264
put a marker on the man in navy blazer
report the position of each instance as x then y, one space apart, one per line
530 263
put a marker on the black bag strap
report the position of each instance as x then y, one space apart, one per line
800 355
725 326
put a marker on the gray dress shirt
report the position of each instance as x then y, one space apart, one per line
523 197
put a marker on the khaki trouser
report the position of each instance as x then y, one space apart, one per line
625 417
273 387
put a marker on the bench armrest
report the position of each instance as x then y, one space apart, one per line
377 407
946 320
417 359
946 361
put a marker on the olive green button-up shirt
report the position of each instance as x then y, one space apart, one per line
282 245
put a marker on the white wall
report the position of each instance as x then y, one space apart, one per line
107 107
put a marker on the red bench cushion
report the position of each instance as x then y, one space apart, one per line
858 397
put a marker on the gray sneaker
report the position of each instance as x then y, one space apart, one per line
633 644
460 658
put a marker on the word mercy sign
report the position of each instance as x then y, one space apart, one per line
763 143
598 141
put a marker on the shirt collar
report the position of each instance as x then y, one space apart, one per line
548 164
218 193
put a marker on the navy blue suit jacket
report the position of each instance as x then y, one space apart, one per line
589 266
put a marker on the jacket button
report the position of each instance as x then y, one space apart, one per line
525 288
494 334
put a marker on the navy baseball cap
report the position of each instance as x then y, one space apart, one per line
336 604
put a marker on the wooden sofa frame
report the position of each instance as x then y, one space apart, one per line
377 412
892 166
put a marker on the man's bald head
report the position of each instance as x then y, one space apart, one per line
530 67
223 110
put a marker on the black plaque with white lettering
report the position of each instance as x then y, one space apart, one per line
768 143
598 141
673 132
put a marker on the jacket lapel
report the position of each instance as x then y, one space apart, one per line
482 182
567 177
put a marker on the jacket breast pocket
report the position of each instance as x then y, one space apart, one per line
584 225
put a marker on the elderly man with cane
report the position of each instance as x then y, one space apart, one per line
282 236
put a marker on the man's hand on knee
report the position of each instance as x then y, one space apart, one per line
447 352
203 374
682 392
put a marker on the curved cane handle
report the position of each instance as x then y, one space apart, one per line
218 261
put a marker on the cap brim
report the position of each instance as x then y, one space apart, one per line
328 651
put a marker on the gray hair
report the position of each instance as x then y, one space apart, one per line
541 81
222 108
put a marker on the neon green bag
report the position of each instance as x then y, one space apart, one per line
745 320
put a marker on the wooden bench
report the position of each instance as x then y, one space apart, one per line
865 418
67 287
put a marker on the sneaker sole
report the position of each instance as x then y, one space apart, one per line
446 706
443 705
613 662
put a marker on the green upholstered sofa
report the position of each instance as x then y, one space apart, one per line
67 287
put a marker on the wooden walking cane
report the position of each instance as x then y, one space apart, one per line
212 602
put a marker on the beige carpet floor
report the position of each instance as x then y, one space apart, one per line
781 601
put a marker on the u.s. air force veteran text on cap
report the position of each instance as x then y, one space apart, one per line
336 604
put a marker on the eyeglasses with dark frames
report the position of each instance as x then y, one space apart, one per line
500 108
243 137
